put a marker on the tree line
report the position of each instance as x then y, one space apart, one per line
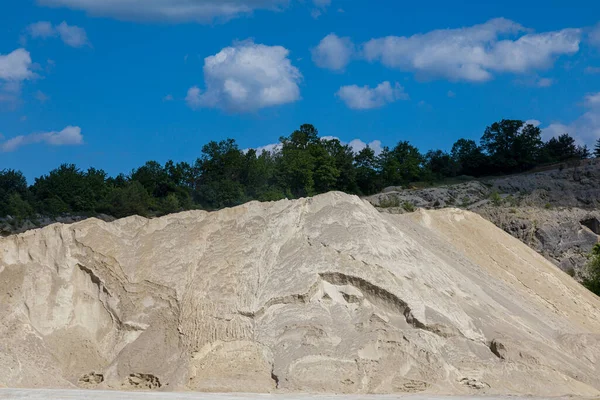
303 165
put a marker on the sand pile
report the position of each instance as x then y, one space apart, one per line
315 295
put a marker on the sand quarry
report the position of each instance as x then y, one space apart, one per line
321 295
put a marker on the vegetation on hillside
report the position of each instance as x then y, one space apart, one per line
592 281
304 165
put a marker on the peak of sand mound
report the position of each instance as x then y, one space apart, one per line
316 295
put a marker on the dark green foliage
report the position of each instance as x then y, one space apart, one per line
366 167
592 281
512 145
14 194
440 165
303 165
469 158
563 148
597 148
401 165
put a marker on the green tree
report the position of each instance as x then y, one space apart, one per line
592 281
512 145
220 173
13 189
597 148
560 148
440 164
366 165
132 198
304 167
469 158
400 165
67 189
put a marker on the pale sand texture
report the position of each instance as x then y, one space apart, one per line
314 295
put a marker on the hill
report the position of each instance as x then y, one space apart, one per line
324 294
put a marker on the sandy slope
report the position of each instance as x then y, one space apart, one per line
315 295
16 394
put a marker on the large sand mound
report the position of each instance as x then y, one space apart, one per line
316 295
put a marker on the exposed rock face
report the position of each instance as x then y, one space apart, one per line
571 185
556 212
314 295
459 195
564 235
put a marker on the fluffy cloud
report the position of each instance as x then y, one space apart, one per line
320 7
167 10
473 53
69 136
594 35
544 82
356 145
71 35
41 30
586 128
247 77
364 98
333 52
16 66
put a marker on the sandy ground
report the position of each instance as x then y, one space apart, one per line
20 394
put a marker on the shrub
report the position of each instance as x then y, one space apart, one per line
465 201
495 198
408 206
592 280
389 201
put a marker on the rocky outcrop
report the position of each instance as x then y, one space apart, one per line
556 212
315 295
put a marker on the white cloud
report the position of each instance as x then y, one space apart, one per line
16 66
594 35
41 96
451 94
586 128
168 97
592 70
533 122
247 77
71 35
364 98
544 82
592 100
42 29
473 53
333 52
69 136
271 148
321 6
357 145
168 10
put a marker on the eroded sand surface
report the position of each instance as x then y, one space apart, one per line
315 295
14 394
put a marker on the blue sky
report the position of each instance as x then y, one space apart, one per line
113 84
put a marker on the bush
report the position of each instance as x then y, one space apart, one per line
389 201
408 206
496 199
592 280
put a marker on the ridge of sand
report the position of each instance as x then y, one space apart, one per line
315 295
